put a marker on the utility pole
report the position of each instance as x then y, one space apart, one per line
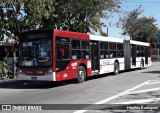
107 31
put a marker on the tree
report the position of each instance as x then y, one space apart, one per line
75 15
139 28
22 15
84 15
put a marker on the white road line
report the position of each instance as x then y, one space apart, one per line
122 93
115 96
140 101
154 83
153 80
80 111
146 90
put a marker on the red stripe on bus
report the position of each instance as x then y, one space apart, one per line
70 34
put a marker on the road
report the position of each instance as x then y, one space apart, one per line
132 87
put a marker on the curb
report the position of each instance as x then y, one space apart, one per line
8 81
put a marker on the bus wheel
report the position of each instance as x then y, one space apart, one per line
116 68
81 74
142 64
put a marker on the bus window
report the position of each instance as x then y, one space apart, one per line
112 54
75 44
62 51
85 49
119 50
85 54
62 48
76 54
85 45
119 54
102 54
106 54
112 46
106 46
138 51
76 49
119 46
142 51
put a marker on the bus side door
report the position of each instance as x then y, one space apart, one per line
95 55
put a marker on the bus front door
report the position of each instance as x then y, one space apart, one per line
95 56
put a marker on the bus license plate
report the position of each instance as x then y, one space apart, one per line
33 78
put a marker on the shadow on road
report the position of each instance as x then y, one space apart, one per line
16 84
152 72
32 84
19 84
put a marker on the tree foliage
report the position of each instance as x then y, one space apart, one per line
17 16
83 15
21 15
139 28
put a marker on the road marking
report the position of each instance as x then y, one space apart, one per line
140 101
115 96
122 93
154 82
146 90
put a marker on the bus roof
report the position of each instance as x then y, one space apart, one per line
103 38
139 43
71 34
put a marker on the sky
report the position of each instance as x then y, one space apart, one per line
151 9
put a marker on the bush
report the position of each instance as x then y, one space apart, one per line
3 70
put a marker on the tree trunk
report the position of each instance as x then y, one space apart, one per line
14 64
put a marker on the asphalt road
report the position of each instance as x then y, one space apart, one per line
132 87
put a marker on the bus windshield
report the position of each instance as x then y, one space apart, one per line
35 53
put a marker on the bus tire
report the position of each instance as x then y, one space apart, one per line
116 68
142 64
81 74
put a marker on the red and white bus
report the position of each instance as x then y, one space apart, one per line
56 55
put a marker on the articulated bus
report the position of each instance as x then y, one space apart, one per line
57 55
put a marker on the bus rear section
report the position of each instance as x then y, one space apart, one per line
115 54
54 55
136 54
